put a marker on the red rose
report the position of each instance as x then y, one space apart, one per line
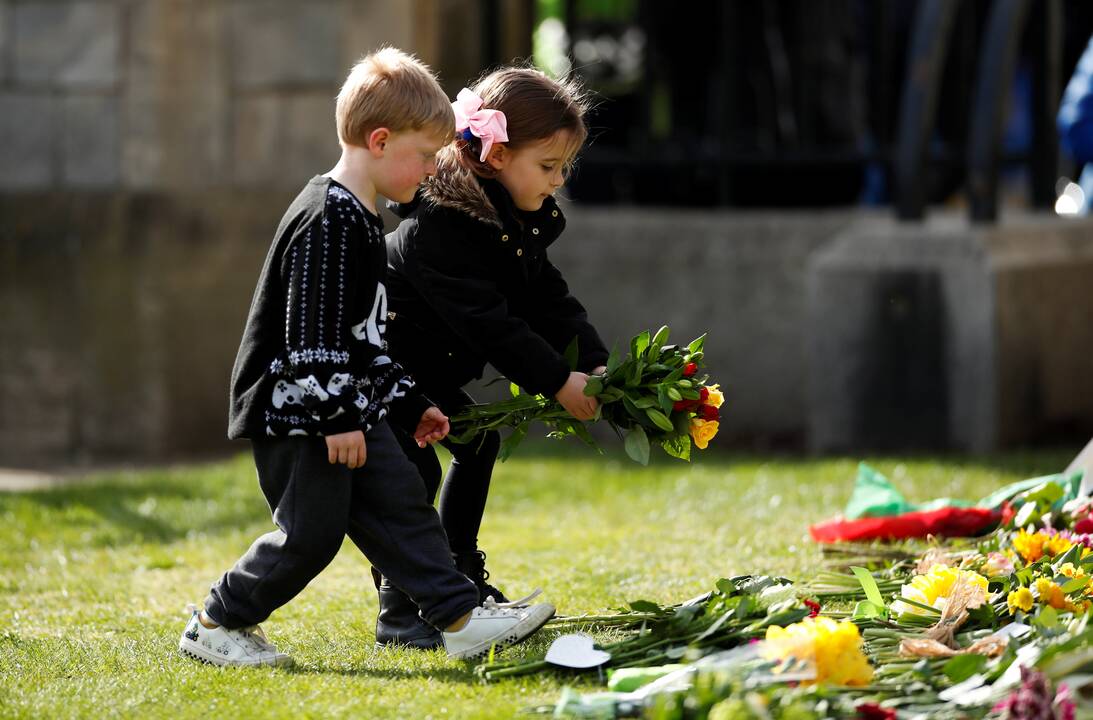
703 395
679 405
1085 525
813 607
709 413
872 711
689 369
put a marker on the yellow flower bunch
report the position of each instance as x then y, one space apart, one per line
1019 599
1033 546
934 588
703 431
1050 593
833 648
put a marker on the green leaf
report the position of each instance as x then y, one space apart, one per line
696 344
678 446
638 344
611 394
514 389
674 394
664 399
644 402
594 386
1048 618
572 355
509 444
660 420
613 360
581 431
1074 584
962 667
869 585
637 445
661 338
645 606
867 609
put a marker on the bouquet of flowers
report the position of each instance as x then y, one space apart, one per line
655 394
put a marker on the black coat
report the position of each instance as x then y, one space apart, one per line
469 282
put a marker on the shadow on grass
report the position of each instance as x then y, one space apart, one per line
156 506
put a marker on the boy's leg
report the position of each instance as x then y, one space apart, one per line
399 532
310 500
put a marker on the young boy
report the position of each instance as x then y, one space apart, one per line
312 388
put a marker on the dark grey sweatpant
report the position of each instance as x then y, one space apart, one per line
381 506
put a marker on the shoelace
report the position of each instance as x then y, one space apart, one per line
494 607
258 639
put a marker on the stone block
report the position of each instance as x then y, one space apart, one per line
946 335
5 40
28 140
91 151
71 44
280 42
281 140
177 103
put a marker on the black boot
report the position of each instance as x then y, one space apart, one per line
398 622
473 565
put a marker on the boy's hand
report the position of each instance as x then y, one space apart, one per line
573 399
347 449
433 426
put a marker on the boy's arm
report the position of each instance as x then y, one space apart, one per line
560 317
317 276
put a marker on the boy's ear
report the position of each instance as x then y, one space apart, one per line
377 140
498 157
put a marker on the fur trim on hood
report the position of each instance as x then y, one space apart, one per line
456 187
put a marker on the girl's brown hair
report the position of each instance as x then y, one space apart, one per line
535 106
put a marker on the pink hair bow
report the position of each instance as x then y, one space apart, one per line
490 126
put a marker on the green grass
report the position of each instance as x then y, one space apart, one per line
94 578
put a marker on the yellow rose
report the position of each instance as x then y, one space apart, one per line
703 431
716 396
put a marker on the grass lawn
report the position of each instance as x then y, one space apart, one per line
94 578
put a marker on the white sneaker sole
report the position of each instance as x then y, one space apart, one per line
516 634
197 652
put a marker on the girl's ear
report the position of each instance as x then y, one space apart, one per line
498 157
377 141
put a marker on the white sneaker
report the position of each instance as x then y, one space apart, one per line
497 625
221 646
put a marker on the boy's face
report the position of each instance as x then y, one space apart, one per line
408 158
534 172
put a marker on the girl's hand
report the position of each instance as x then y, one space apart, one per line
433 426
347 449
573 399
601 370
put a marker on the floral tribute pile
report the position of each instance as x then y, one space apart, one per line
990 627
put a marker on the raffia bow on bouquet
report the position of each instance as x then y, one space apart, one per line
655 394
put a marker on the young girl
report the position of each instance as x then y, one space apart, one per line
469 282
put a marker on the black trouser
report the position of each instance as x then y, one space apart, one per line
383 508
467 483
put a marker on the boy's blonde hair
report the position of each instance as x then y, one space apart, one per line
395 90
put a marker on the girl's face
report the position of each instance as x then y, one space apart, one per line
533 172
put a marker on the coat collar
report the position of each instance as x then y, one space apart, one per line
487 201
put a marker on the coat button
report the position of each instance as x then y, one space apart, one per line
535 231
554 213
519 252
504 238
